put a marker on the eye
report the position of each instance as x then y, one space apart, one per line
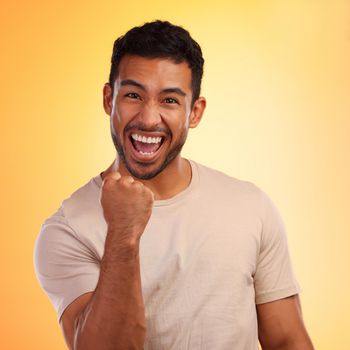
132 95
170 100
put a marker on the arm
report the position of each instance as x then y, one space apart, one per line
112 317
280 325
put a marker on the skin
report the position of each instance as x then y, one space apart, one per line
149 109
139 103
281 325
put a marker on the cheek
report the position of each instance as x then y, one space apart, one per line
179 127
185 121
178 118
124 112
183 125
122 116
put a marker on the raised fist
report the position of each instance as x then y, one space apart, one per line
127 205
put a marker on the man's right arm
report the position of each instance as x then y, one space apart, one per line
113 317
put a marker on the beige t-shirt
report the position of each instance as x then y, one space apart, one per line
208 256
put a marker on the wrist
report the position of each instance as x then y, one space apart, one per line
121 246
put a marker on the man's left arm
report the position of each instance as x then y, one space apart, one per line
281 325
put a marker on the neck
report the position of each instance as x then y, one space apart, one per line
175 178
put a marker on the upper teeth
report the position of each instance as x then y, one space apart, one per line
145 139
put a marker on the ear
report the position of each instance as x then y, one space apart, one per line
197 112
107 98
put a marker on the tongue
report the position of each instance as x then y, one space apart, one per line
146 147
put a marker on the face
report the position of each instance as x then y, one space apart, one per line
150 113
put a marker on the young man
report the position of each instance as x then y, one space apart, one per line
157 251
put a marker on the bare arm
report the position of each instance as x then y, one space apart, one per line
112 317
281 325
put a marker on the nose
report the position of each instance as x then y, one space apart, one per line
150 114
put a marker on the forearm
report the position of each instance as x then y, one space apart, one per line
114 318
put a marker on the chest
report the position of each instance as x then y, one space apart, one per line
197 252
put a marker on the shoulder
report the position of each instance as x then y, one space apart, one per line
83 201
73 221
67 251
245 196
82 209
216 181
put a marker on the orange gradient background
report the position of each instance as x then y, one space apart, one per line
277 81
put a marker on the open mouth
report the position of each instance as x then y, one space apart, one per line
146 147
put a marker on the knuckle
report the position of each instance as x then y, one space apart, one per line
106 182
115 175
127 179
138 185
112 176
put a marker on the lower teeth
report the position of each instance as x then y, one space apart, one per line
146 153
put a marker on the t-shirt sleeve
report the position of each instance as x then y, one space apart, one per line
65 267
274 276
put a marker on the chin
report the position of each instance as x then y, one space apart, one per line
145 171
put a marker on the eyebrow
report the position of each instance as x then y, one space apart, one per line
132 82
175 90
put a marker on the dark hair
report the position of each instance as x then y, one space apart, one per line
160 39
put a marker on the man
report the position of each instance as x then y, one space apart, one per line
157 251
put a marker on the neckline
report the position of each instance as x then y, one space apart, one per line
175 199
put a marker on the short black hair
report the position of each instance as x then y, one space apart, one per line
160 39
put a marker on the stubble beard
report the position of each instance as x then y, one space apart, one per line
171 155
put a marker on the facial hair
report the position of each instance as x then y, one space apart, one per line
170 156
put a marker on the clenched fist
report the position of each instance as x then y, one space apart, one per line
127 205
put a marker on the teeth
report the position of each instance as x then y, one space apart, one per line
145 139
146 153
135 137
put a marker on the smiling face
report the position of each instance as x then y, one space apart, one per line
151 112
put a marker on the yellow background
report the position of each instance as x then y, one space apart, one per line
277 80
